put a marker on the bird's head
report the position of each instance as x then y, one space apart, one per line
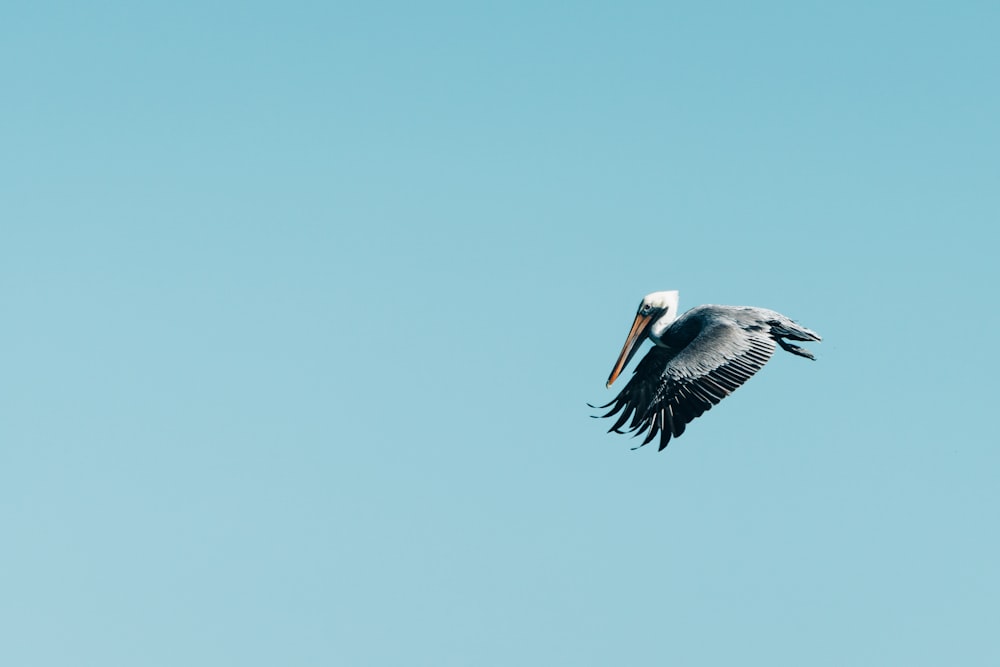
654 307
659 303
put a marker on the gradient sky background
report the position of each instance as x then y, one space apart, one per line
303 303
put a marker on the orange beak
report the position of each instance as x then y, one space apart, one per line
631 345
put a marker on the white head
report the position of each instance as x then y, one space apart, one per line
656 311
660 303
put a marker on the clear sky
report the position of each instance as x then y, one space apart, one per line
302 304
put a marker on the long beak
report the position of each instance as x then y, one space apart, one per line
631 345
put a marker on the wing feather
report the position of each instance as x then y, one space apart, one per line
672 386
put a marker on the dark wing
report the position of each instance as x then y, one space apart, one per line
672 386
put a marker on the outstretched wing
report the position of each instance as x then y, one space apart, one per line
672 386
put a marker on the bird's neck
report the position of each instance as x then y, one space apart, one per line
659 327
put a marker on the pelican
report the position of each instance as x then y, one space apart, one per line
697 360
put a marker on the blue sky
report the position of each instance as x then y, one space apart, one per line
303 304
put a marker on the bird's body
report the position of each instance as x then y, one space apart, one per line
697 360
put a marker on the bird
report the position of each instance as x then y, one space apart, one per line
696 360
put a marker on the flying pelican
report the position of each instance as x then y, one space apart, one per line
697 360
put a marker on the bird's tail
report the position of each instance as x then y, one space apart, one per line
785 328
